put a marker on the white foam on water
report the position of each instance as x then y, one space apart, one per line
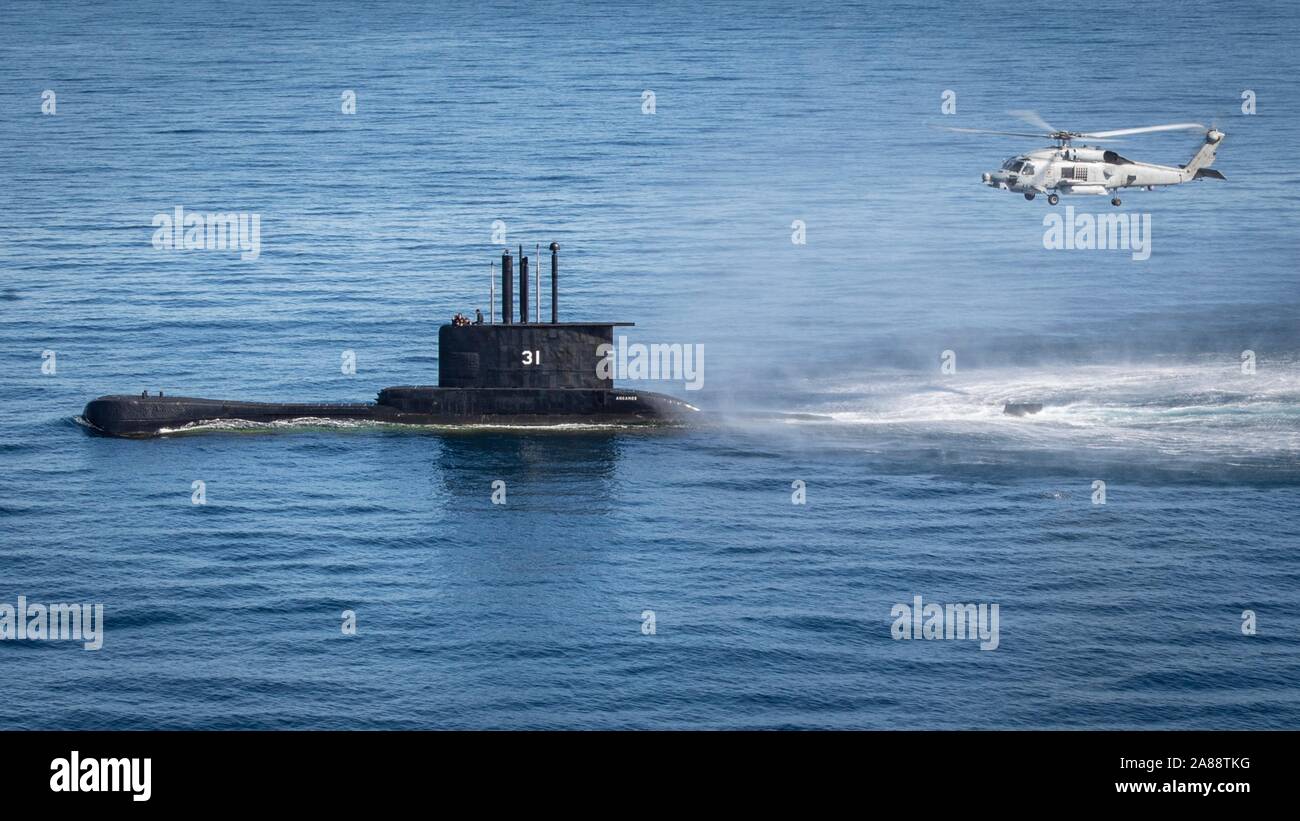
313 423
1206 406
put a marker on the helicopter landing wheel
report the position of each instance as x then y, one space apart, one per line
1115 201
1052 199
1029 195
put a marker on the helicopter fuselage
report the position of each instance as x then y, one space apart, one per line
1084 170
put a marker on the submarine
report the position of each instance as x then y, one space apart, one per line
489 373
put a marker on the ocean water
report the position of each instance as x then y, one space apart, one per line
377 226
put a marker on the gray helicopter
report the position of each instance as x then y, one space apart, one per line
1067 169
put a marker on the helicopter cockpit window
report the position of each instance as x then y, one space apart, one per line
1028 169
1011 165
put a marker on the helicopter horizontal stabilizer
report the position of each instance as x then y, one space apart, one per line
1203 173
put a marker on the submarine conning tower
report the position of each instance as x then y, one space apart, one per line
532 355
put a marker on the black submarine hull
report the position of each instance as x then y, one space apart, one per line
145 416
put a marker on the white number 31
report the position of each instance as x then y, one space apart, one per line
532 357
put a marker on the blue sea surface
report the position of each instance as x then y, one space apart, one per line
823 366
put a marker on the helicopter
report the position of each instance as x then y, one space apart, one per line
1067 169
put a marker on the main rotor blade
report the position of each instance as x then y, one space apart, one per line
985 131
1033 118
1146 130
